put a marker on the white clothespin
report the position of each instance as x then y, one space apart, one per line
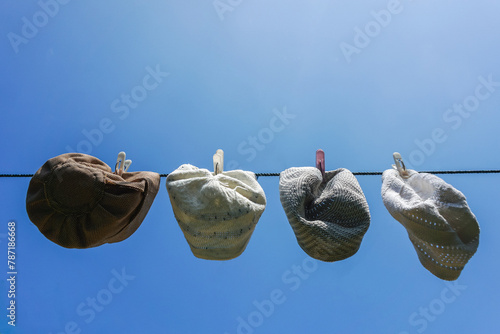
320 161
126 165
218 162
400 165
122 165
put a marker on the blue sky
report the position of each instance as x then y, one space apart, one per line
171 82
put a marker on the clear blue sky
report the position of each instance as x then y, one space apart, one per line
170 82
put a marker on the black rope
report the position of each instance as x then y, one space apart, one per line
490 171
267 174
367 173
430 172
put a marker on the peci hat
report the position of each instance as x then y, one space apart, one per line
439 222
328 213
76 201
217 212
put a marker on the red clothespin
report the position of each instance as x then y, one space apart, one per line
320 161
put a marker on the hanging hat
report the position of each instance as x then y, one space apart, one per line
441 227
76 201
329 215
216 213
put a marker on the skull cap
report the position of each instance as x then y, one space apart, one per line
329 215
76 201
439 222
216 213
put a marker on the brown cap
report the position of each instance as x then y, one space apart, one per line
76 201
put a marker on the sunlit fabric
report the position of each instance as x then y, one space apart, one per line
217 213
439 222
329 215
77 202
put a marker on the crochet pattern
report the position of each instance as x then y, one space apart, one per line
329 216
440 225
217 213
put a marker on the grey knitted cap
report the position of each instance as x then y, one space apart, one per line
440 225
329 216
217 213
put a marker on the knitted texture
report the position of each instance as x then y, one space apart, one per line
329 216
438 220
77 202
217 214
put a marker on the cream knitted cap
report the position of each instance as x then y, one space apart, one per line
329 217
442 228
216 213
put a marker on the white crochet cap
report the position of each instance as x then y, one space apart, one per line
217 213
442 228
329 216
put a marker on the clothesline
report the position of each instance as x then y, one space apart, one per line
218 215
491 171
494 171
